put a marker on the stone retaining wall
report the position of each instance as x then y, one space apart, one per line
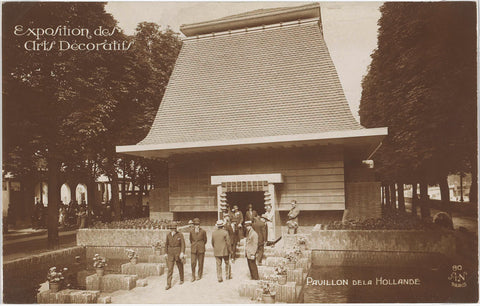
442 242
22 277
381 247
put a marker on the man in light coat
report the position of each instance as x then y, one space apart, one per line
251 247
221 250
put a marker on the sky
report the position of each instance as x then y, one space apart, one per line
350 29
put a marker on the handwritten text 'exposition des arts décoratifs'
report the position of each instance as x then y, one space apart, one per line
36 38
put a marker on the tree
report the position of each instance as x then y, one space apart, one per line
421 83
56 102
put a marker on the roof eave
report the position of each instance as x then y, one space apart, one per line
359 137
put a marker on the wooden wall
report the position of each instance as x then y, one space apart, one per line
313 176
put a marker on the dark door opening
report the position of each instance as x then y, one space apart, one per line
242 199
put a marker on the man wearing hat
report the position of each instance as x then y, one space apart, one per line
237 218
251 247
175 248
261 229
250 214
232 230
198 239
221 250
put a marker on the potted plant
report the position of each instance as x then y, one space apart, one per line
291 258
99 263
132 255
281 273
302 243
55 278
158 247
268 295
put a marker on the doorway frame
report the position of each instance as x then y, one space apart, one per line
270 178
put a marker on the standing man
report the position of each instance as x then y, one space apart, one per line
250 214
261 229
175 248
232 230
198 239
251 247
268 216
221 250
293 218
238 219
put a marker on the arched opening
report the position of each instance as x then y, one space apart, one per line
81 194
65 194
41 193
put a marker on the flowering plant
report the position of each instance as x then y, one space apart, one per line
158 245
301 240
267 287
281 269
99 262
131 253
55 277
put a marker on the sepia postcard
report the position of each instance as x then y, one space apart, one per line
239 152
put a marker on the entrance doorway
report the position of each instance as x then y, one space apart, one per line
242 199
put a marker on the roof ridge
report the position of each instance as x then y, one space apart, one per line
252 19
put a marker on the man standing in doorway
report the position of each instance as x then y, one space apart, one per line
232 230
238 219
250 214
175 248
251 247
198 239
221 250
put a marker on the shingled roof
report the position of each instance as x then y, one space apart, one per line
268 82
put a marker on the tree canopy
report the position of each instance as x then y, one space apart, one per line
421 83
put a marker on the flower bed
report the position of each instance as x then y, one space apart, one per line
140 223
391 220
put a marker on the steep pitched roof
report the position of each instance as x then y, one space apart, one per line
274 82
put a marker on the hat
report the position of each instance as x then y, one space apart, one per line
294 201
235 207
190 222
219 223
196 221
248 222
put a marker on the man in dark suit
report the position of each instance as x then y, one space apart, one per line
198 239
232 230
251 247
175 248
250 214
261 229
221 250
237 218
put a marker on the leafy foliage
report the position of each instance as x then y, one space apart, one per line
422 85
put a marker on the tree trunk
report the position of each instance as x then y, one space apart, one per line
28 196
393 195
401 197
53 200
387 196
115 201
414 199
473 194
424 205
73 190
383 195
124 185
139 200
445 194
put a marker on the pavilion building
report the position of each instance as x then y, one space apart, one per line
254 113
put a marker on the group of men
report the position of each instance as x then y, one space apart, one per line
225 238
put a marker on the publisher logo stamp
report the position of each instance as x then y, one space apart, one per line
458 277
